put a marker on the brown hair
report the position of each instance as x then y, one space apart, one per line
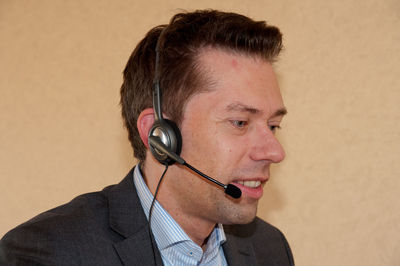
180 75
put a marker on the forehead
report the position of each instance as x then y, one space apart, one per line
234 78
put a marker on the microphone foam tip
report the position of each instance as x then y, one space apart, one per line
233 191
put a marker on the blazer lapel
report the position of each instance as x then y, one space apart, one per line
137 250
238 252
128 219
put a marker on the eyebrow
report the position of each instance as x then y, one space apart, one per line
239 107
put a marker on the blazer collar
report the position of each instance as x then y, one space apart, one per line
128 219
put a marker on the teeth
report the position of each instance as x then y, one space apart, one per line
252 184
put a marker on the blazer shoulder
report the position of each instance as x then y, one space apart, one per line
59 235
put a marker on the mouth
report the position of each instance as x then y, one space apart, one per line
250 184
250 188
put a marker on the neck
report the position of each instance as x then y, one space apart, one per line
196 227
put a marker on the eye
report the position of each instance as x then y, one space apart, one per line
239 123
274 128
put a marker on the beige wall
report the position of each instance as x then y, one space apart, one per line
336 196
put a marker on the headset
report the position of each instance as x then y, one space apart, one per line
165 130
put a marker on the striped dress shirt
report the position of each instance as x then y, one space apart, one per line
175 246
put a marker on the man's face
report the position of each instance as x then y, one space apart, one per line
228 133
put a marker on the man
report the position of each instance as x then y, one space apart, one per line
210 72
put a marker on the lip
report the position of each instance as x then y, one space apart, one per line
256 192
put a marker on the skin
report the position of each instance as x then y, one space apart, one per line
228 133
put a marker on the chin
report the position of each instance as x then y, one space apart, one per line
247 219
240 216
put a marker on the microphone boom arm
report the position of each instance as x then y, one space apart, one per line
230 189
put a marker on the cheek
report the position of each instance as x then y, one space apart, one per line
229 151
210 148
196 142
203 148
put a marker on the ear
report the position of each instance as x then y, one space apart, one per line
144 123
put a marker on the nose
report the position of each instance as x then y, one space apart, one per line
265 146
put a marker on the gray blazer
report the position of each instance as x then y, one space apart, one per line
109 227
